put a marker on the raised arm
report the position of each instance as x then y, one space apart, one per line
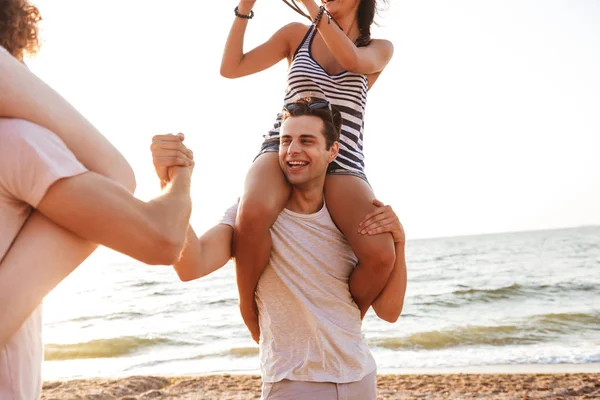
24 96
368 60
236 64
388 305
203 254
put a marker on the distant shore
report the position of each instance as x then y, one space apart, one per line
565 382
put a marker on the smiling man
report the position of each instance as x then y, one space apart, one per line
307 323
311 345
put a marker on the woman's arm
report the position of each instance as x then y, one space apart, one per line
388 305
367 60
236 64
24 96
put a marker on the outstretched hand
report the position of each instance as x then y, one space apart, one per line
169 151
384 219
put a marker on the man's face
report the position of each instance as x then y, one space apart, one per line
302 153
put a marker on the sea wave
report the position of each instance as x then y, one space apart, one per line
568 322
492 294
235 352
535 329
462 336
101 348
143 284
243 351
514 291
127 315
223 302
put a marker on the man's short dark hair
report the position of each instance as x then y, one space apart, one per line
328 113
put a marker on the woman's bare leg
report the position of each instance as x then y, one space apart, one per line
24 96
42 255
349 199
50 244
266 192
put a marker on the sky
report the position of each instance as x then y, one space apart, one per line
486 120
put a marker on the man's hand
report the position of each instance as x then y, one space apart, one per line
250 317
384 219
169 151
390 302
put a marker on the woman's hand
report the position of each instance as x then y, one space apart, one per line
384 219
169 151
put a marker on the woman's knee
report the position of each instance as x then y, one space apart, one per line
255 215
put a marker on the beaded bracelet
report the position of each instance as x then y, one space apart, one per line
318 16
237 14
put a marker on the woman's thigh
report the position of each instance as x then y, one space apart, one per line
266 186
349 199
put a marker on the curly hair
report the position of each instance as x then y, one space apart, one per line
19 33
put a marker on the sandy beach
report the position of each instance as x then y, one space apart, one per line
414 386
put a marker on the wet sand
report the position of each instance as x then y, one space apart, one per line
411 386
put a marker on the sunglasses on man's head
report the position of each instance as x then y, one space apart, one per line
316 105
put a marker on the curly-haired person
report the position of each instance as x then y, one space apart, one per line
51 159
19 30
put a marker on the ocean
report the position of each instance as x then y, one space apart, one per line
499 299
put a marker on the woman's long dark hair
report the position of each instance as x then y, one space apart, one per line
366 16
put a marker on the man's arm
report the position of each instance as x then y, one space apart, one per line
388 305
209 252
205 254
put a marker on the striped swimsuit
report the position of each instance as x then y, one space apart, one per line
346 90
